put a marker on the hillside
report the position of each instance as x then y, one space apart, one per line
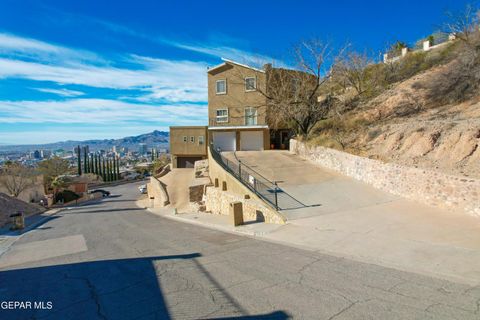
155 138
416 122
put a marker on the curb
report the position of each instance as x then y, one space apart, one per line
209 225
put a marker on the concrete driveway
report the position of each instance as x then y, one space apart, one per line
359 221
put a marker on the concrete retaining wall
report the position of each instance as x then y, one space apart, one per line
158 192
426 186
218 200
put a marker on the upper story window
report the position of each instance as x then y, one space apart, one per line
250 116
201 140
250 84
192 139
222 115
185 138
221 87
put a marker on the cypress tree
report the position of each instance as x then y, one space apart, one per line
79 161
112 169
96 165
118 168
92 164
104 176
109 166
85 160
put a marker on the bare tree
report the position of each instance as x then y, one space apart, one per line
352 70
294 95
464 24
16 178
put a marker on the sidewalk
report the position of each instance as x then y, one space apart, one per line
448 251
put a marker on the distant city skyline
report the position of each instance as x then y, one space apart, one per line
87 70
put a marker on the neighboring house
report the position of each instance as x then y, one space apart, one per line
187 145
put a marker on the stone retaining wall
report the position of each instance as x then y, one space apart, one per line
218 202
426 186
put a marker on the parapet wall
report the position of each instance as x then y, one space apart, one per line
426 186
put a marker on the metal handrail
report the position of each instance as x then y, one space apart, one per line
253 170
271 191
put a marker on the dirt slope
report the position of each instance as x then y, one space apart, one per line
407 127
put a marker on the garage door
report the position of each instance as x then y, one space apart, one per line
187 162
251 140
225 141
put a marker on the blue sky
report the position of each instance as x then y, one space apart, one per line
74 70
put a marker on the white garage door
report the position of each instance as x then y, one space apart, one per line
224 140
251 140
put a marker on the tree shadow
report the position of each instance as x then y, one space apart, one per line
109 289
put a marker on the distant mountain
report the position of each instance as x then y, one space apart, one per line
158 139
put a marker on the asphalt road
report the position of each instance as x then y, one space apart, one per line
113 260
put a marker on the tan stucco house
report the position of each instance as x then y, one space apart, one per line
237 116
237 107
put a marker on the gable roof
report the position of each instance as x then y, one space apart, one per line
227 61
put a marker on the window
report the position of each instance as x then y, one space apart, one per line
250 84
250 116
221 86
185 139
192 139
200 140
222 115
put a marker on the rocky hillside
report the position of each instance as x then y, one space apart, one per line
441 137
413 124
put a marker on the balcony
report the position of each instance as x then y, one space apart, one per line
240 122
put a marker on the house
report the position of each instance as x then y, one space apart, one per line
237 107
238 113
187 145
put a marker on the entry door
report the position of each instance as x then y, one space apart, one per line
225 141
251 140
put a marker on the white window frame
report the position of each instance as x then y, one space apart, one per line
255 118
255 84
192 139
225 116
216 86
185 139
201 140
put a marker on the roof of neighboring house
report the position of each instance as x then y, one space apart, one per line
227 61
9 205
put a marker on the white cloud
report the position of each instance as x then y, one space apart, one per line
100 111
12 45
174 80
61 92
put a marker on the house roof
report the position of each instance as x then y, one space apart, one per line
227 61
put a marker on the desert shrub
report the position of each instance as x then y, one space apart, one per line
372 134
460 80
